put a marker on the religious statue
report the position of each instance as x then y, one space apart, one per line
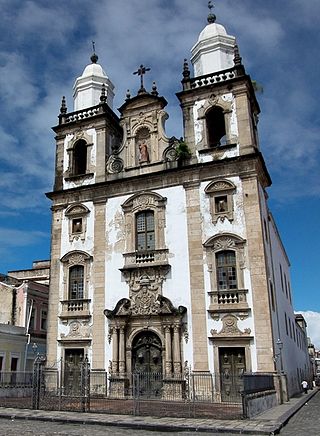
144 154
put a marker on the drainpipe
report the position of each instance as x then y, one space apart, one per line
27 328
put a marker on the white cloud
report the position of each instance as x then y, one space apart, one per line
313 326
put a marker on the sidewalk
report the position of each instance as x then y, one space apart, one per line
267 423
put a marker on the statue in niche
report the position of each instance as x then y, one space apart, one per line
144 154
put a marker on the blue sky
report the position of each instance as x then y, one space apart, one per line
45 45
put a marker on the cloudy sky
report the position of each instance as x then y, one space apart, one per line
45 45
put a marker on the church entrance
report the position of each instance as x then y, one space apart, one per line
232 367
147 365
72 370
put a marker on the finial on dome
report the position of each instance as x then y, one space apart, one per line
211 17
94 58
128 95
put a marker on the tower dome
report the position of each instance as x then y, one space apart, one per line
214 49
87 88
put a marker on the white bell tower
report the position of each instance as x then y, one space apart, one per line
87 88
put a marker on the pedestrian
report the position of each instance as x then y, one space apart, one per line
304 385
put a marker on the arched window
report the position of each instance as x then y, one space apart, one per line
216 127
145 237
226 270
76 282
80 158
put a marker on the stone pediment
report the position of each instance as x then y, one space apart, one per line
145 303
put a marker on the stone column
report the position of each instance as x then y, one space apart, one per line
115 350
176 350
167 332
121 350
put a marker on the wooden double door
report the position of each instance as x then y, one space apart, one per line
72 371
232 366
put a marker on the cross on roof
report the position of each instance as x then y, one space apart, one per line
141 72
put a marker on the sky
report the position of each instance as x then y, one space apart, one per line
45 45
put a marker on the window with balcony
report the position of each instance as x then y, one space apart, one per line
226 270
76 279
226 264
76 275
145 235
145 219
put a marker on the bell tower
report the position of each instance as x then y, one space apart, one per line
220 115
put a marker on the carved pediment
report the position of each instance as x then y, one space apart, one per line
144 303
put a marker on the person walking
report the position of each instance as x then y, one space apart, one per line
304 385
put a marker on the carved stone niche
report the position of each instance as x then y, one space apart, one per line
144 139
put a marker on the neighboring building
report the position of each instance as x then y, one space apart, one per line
13 342
164 253
40 272
24 316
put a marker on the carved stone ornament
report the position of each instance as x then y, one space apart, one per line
230 328
223 243
114 165
77 330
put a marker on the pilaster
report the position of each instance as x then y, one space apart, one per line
98 283
258 274
54 297
197 290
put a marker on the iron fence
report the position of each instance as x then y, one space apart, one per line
189 394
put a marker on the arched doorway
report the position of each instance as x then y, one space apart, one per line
147 364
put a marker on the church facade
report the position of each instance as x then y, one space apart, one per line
164 253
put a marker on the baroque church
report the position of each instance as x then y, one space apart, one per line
164 253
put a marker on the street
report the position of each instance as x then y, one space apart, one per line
306 421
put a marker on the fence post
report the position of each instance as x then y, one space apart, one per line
85 384
36 380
